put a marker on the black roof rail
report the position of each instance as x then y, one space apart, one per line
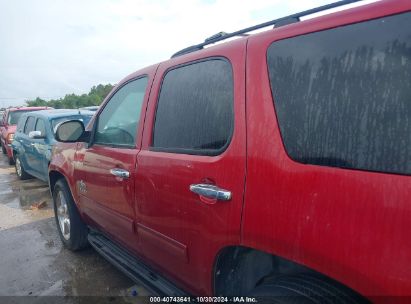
276 23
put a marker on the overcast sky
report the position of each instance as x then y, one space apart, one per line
50 48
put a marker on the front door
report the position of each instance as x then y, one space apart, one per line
191 169
106 170
27 158
37 156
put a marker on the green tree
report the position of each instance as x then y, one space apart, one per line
72 101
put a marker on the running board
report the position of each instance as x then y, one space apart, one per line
133 267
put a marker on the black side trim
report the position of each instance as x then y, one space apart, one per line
133 267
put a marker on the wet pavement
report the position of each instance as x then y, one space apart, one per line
33 261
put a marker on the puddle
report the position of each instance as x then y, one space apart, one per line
26 202
19 198
15 193
51 270
34 259
8 191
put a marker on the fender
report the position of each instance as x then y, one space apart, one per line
62 164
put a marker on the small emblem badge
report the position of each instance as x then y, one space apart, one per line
82 186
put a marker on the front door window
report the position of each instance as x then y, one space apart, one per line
117 123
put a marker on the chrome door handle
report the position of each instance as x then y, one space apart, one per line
211 191
120 173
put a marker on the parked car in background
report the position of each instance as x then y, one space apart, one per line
90 108
277 164
35 138
8 127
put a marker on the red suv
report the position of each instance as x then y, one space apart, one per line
276 164
8 125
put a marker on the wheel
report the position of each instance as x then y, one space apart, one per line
3 149
11 161
73 232
21 173
304 289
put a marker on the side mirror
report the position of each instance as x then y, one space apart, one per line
71 131
36 135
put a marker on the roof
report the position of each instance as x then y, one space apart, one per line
12 109
276 23
58 113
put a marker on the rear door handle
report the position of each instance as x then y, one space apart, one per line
120 173
211 191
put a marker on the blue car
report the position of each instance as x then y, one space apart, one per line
35 137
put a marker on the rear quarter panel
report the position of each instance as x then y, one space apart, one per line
350 225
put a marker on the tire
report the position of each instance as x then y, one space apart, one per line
305 289
11 161
3 149
73 233
21 173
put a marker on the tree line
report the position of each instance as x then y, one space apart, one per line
73 101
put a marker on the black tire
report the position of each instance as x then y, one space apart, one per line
3 149
11 161
78 231
305 289
21 174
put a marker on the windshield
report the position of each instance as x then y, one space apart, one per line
14 117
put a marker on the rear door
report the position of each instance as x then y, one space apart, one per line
190 177
106 169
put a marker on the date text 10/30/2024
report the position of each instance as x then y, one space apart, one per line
203 300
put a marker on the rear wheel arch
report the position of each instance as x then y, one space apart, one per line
244 270
239 268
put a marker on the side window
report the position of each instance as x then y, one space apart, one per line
117 123
3 118
40 126
20 124
195 109
343 96
29 125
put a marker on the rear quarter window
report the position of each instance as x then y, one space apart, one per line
343 96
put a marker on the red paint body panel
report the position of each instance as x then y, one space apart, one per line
350 225
108 201
63 160
165 203
6 131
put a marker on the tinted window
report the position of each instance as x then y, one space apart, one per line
21 124
117 123
40 126
14 117
195 108
343 96
29 125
